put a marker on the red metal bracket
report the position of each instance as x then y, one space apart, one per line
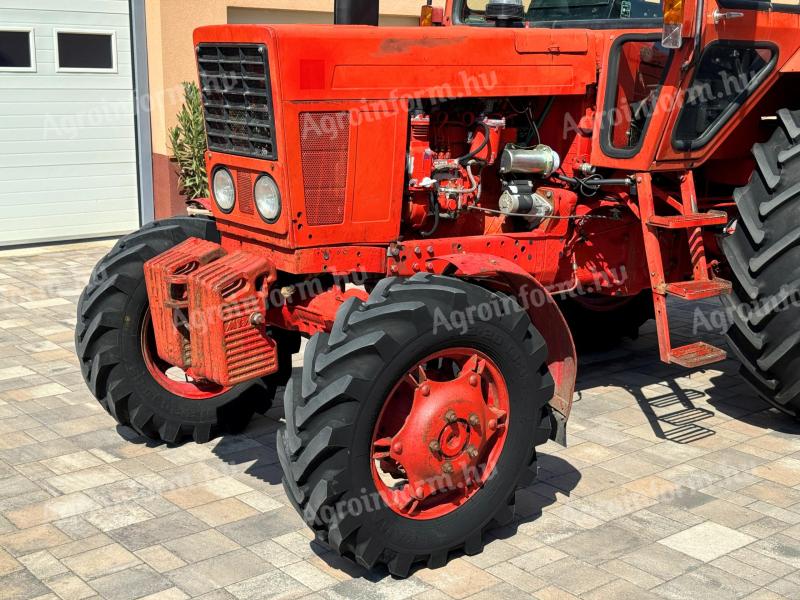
701 286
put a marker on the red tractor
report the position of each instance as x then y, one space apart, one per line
427 205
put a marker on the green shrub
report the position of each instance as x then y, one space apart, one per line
188 145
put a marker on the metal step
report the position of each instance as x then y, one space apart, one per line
690 221
699 290
696 355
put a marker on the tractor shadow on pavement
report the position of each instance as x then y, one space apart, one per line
680 406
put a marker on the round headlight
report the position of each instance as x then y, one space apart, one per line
268 198
224 190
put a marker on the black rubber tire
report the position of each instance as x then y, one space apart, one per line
764 257
604 329
324 447
108 342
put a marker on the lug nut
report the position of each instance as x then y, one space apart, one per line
474 420
447 468
450 416
435 446
472 452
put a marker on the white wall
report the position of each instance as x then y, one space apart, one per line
67 140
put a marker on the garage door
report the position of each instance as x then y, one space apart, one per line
67 133
241 16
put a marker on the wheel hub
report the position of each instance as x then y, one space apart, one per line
444 445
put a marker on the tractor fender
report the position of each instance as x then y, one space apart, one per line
504 275
204 202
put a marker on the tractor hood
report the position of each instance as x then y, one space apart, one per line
347 62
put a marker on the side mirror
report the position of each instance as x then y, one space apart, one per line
679 22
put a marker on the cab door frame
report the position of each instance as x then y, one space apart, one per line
762 25
642 157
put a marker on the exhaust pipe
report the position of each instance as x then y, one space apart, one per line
356 12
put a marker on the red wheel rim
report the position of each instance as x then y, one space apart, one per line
440 434
171 378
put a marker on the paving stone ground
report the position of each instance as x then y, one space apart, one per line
675 484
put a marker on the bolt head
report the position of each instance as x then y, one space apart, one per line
257 319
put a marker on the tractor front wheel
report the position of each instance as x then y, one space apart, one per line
416 421
764 256
116 346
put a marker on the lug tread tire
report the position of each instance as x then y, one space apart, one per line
314 447
764 256
99 339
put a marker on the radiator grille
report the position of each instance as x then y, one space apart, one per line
237 99
325 143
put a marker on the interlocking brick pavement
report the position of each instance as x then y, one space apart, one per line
674 485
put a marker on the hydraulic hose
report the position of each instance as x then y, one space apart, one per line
434 199
465 159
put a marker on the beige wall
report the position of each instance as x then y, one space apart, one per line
170 24
284 16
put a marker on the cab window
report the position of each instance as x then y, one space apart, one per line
544 12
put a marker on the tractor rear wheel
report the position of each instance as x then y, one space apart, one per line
115 345
764 256
416 421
